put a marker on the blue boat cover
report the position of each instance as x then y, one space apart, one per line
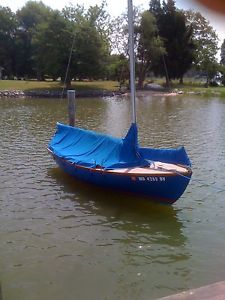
171 156
92 149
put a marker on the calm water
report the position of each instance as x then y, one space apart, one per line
61 239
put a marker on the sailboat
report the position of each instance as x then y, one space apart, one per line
161 175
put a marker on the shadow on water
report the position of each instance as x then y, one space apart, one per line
130 212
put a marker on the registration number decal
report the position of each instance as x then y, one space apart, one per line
151 178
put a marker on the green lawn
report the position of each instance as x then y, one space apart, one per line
51 85
196 87
199 88
210 91
187 87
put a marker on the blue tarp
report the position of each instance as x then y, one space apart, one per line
91 149
171 156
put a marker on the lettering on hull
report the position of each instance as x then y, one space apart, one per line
150 178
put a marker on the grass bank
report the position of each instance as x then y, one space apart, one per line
199 89
29 85
210 91
33 85
195 87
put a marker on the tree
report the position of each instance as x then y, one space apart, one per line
75 36
8 25
91 43
100 19
222 62
177 38
206 43
118 69
169 6
149 45
33 14
222 54
155 7
119 35
51 43
90 52
29 17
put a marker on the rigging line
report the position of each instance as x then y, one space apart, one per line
165 67
166 71
68 65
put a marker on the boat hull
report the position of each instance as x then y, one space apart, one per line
164 187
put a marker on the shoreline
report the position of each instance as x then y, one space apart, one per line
56 93
45 93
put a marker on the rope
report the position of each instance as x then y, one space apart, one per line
166 71
68 66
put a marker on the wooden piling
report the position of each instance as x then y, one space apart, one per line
71 107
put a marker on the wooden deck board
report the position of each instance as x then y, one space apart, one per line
214 291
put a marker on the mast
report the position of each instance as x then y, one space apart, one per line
132 61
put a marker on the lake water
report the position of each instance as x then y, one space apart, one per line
61 239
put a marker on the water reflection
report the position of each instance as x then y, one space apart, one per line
115 206
142 234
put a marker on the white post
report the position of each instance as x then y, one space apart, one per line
132 61
71 107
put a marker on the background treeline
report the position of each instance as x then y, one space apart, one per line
38 42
